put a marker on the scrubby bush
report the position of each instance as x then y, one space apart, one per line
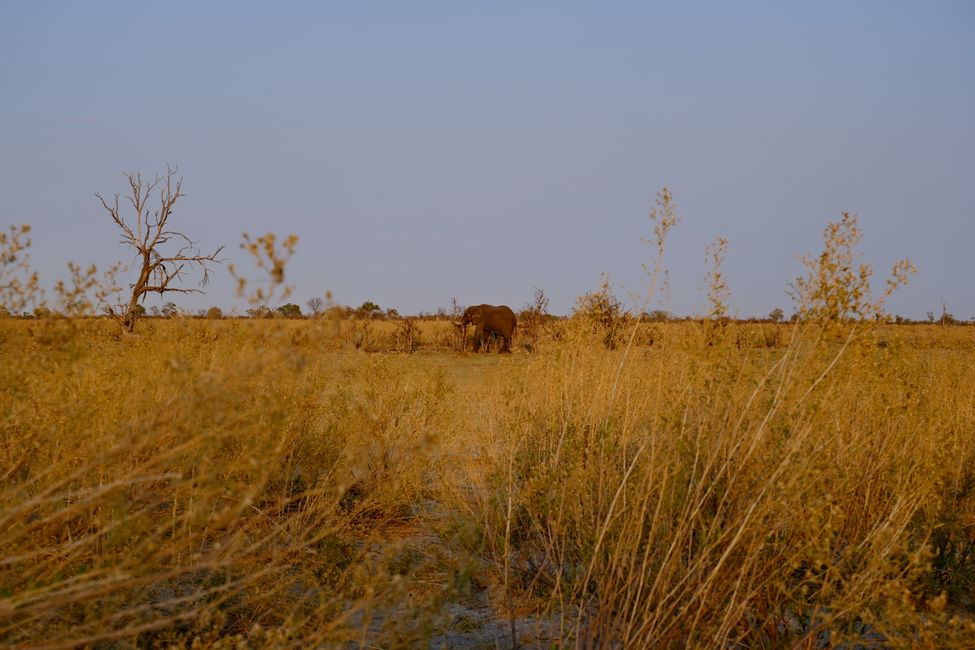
290 310
836 285
532 320
603 313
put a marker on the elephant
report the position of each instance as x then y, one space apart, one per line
488 339
489 320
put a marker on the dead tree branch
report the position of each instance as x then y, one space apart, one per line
161 269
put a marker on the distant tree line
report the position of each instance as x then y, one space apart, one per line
529 318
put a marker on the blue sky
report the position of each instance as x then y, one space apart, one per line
431 150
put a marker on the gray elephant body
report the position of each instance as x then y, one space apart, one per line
489 319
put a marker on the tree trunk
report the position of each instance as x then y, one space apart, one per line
128 320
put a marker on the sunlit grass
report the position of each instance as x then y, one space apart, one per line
268 480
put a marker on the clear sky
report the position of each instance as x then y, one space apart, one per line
430 150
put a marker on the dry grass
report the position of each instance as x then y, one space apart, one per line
215 481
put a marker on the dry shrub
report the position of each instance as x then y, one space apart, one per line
836 285
532 320
408 334
360 335
602 314
20 288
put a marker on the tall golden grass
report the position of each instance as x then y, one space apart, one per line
216 482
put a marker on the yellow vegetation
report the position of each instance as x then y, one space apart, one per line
211 481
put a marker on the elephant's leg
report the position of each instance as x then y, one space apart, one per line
478 338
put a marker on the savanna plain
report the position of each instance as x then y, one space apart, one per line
620 480
262 483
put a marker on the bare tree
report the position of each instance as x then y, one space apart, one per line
160 263
316 305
